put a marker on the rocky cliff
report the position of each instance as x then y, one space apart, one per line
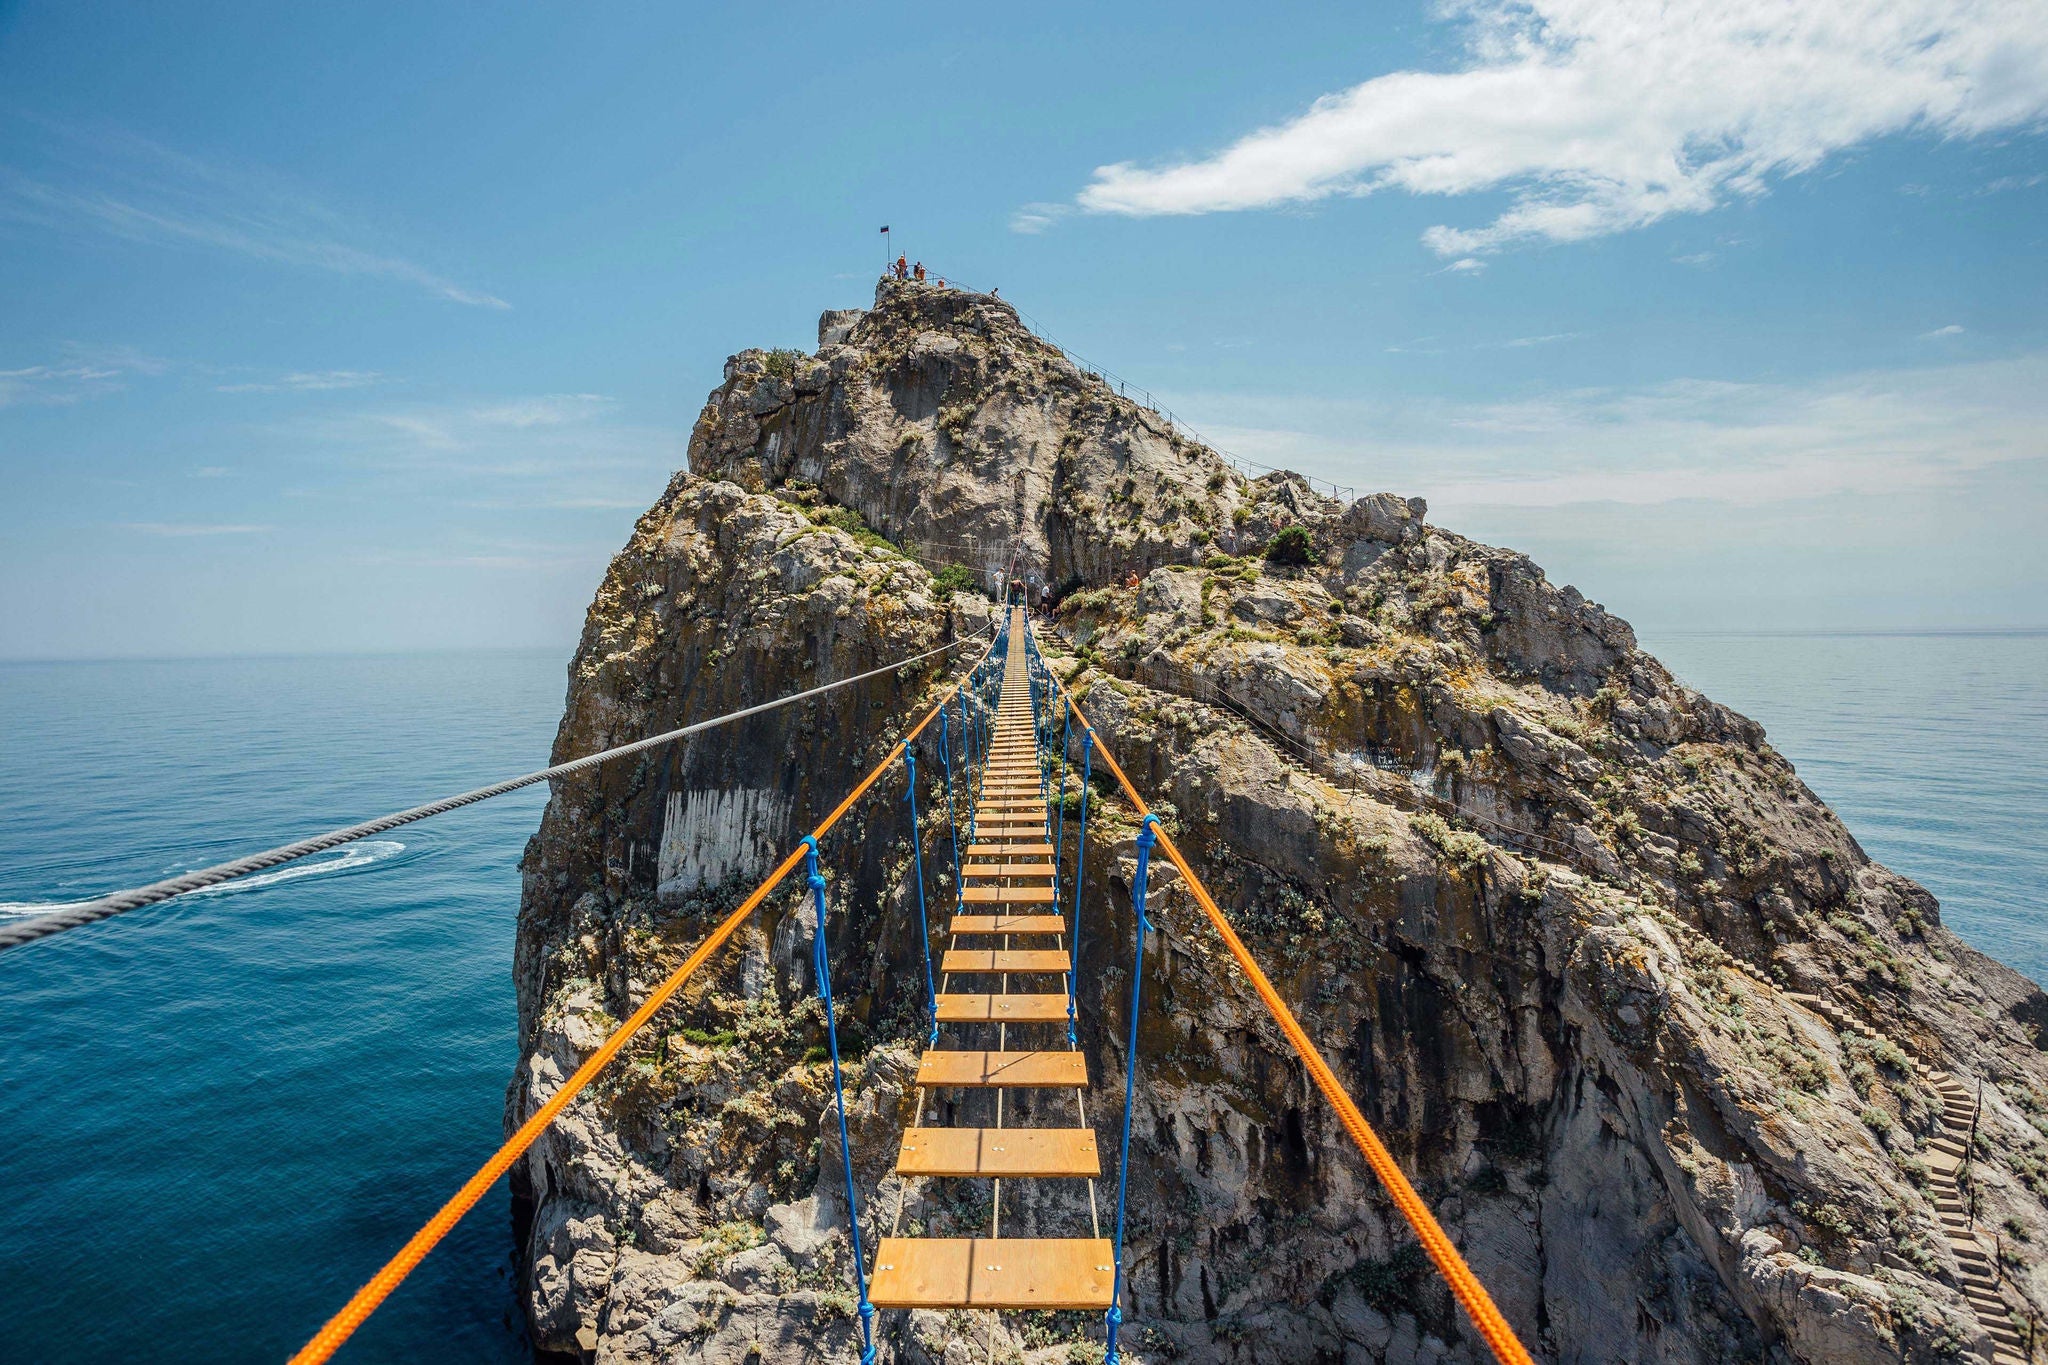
1686 1075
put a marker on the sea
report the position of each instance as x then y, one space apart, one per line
222 1114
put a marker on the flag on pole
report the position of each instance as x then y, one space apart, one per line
885 227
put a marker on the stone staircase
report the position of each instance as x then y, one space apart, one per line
1947 1157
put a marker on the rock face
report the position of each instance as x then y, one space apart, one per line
1685 1074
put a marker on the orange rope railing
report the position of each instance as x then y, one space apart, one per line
1479 1305
357 1310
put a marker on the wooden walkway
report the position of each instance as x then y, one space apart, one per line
1008 938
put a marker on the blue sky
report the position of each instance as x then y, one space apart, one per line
375 327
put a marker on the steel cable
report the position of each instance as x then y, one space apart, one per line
18 932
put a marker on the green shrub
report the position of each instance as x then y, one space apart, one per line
951 579
1293 545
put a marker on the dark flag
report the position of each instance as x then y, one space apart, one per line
885 227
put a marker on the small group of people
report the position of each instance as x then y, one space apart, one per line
904 270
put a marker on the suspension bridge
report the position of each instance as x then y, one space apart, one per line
1002 1088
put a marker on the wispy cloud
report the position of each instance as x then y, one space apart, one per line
548 410
559 452
1743 444
181 529
1033 219
121 185
1952 330
81 370
1597 116
306 381
55 384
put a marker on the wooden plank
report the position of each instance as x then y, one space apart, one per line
993 1272
999 1152
1015 1070
1034 870
957 1008
1003 960
1007 924
1007 895
1018 850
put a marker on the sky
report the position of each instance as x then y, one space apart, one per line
374 327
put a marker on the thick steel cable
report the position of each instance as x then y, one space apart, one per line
357 1310
17 932
1478 1304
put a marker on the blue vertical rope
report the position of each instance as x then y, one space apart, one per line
1080 876
1037 721
967 743
952 822
1059 843
822 965
1115 1316
931 995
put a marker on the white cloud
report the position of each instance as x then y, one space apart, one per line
1033 219
125 186
548 410
1886 433
180 529
82 371
1601 115
55 384
307 381
1952 330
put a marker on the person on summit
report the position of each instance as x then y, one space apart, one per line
902 268
918 272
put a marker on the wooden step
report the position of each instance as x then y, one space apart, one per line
993 1272
1017 850
1002 1009
999 1152
1007 895
1003 960
1017 1070
1007 924
1028 869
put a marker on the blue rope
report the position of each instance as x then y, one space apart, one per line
967 741
1080 876
952 822
822 964
1059 843
1037 721
931 996
1115 1316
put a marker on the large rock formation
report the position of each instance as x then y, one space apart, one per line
1686 1075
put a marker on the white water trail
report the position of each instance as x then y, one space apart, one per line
341 860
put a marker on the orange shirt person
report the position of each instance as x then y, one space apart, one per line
902 268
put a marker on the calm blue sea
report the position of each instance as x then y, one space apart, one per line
223 1113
